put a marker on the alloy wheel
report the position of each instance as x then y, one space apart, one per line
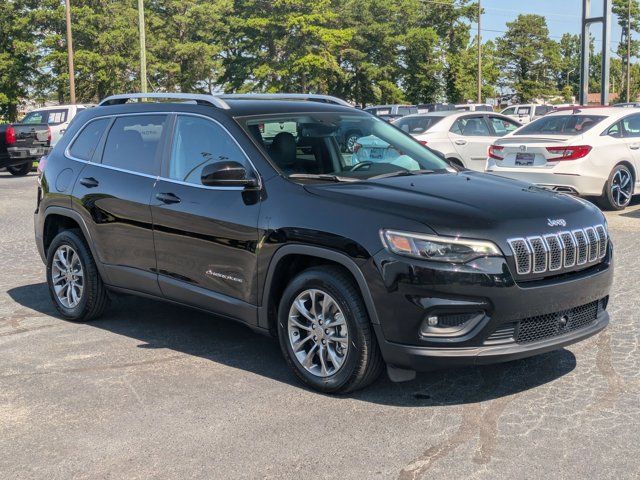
67 276
318 333
621 187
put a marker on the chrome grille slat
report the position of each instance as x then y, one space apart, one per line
555 252
539 249
602 240
582 253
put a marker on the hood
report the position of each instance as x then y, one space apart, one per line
468 204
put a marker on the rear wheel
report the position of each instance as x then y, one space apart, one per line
618 190
325 333
74 283
20 170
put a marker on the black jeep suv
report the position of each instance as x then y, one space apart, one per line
387 254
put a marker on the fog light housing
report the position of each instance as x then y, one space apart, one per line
449 323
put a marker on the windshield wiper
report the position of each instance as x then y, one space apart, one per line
322 176
401 173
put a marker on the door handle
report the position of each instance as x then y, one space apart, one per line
168 198
634 146
461 142
89 182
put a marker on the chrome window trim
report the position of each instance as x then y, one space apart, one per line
68 155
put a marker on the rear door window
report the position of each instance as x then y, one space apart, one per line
85 144
471 127
631 126
133 143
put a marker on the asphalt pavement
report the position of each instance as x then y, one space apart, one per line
152 390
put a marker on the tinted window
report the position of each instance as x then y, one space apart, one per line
50 117
198 142
133 143
85 144
570 124
542 110
471 126
502 126
484 108
631 126
416 125
509 111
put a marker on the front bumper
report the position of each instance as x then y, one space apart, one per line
410 291
424 358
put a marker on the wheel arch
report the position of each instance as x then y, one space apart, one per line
632 169
292 259
57 219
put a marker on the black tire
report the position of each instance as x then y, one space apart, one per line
94 298
349 140
610 200
20 170
362 362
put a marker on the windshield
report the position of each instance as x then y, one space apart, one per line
561 125
340 147
416 125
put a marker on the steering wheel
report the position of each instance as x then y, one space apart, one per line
360 165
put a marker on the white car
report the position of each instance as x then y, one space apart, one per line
474 107
527 113
588 152
57 117
462 137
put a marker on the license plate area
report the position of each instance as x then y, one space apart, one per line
524 159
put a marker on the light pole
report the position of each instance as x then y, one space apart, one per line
143 48
628 51
479 54
72 80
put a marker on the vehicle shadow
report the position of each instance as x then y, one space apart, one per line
161 325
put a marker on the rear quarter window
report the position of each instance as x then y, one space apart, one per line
85 144
561 125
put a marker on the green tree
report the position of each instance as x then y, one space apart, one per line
529 58
18 54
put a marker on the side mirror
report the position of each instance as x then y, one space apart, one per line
226 174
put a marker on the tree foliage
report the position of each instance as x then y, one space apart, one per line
366 51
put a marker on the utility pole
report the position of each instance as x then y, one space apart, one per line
72 79
143 48
629 51
479 54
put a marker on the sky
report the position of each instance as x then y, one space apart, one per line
563 16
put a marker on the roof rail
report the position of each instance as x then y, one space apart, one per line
311 97
199 98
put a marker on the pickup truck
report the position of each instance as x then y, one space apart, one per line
22 144
58 117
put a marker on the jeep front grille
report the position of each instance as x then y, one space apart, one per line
559 252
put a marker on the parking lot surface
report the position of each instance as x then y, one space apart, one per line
152 390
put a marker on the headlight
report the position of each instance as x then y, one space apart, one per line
440 249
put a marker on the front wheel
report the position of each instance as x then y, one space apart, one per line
325 333
618 190
20 170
